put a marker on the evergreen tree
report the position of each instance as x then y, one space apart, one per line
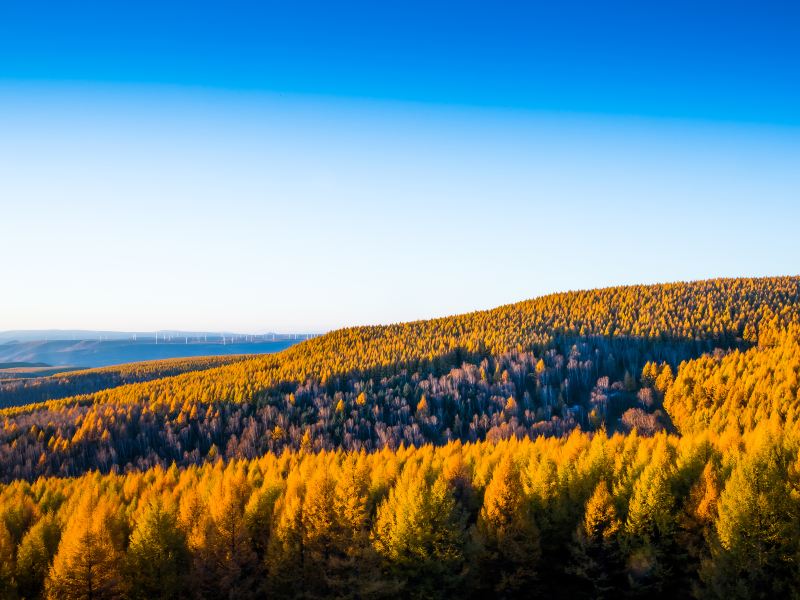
508 534
596 552
319 530
259 514
757 546
87 564
8 585
232 569
157 561
354 568
420 534
286 551
651 522
35 554
696 523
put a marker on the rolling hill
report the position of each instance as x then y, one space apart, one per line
641 439
91 353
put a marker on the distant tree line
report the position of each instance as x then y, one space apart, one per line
18 392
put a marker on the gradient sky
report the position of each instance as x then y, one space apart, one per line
301 166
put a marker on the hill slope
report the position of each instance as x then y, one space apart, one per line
511 500
22 391
599 358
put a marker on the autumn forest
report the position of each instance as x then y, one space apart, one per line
639 441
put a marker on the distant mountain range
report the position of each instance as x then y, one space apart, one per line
164 335
81 348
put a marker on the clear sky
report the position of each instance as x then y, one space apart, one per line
301 166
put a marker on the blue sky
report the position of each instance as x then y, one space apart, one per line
302 166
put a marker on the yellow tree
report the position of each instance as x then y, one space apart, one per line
596 553
354 569
35 554
696 521
757 542
259 514
507 533
650 525
232 568
285 549
157 560
8 586
87 564
419 533
319 533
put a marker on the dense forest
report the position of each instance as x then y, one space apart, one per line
585 515
630 441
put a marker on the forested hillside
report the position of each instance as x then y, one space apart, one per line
627 441
595 359
85 381
738 390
